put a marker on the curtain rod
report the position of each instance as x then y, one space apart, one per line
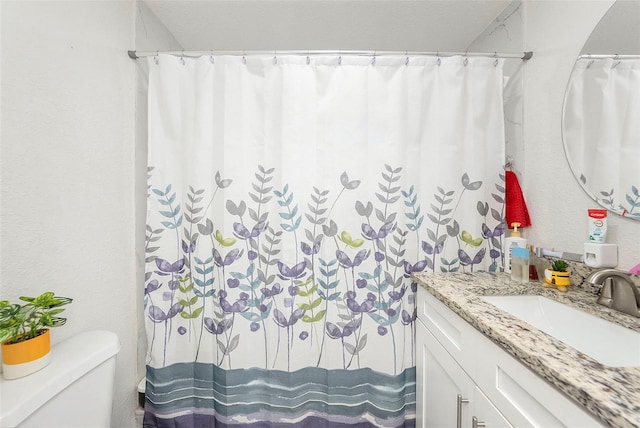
606 56
522 55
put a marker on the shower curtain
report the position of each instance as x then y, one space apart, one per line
602 131
289 200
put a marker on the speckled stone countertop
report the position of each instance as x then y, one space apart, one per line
611 394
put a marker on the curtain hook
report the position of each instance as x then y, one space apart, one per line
155 58
275 57
340 60
406 61
182 58
373 60
244 58
508 165
211 59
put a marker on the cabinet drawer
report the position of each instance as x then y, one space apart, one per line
526 399
454 333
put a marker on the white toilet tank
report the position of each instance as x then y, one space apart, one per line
74 391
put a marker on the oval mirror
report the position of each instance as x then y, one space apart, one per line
601 113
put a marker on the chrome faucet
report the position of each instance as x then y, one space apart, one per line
618 291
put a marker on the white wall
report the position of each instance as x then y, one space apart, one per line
556 31
67 171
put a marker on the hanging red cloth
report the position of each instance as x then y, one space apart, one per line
515 206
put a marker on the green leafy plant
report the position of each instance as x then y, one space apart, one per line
20 322
559 266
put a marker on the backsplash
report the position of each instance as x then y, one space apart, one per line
580 272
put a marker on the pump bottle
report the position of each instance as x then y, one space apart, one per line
514 240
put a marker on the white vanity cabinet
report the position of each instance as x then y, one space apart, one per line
446 395
463 378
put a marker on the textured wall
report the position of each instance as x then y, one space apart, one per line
556 31
68 168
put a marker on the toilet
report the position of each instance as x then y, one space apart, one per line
74 391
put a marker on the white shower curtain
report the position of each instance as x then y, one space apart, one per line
601 128
290 198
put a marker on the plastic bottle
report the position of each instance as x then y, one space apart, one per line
520 264
514 240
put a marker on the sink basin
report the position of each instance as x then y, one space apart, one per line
604 341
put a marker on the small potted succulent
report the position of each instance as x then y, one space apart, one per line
558 275
24 332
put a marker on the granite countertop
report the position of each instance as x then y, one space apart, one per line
611 394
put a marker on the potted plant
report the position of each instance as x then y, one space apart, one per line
24 332
558 275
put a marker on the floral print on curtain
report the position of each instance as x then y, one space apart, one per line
277 290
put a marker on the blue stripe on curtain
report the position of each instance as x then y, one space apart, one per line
205 395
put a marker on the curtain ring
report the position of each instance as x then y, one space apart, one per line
465 62
182 58
340 60
373 60
155 58
244 58
211 59
438 62
406 61
308 60
275 59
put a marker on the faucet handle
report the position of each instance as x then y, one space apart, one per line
605 294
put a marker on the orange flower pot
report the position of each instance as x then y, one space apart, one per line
23 358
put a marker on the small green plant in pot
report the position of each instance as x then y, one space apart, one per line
24 332
558 275
559 265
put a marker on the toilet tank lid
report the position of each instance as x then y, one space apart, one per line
70 360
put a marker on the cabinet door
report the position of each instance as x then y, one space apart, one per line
486 413
441 384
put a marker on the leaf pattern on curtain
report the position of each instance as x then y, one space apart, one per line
310 298
288 205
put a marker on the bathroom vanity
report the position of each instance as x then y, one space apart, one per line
477 365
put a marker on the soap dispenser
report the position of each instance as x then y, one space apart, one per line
514 240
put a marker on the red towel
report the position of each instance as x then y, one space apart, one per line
516 207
